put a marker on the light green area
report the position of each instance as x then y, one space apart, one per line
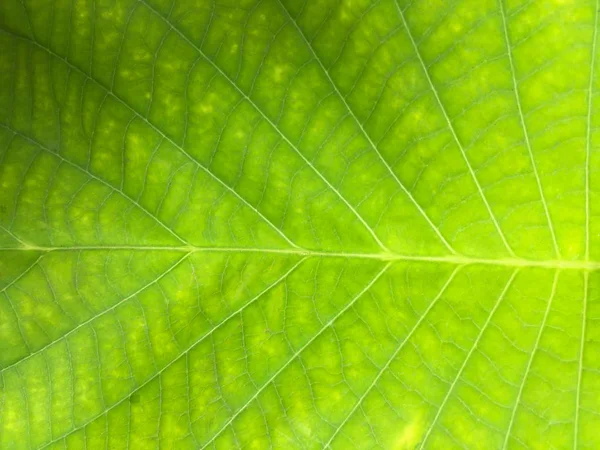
299 224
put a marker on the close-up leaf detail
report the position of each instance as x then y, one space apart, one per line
311 224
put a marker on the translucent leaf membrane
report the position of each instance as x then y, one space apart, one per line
299 224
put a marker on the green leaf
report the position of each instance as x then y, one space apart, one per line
299 224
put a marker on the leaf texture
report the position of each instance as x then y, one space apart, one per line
299 224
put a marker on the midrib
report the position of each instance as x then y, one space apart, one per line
450 259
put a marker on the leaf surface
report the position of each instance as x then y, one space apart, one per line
299 224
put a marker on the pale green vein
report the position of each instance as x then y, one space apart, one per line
28 268
530 362
98 179
589 133
452 130
183 353
297 354
467 358
271 123
11 234
22 274
525 132
452 259
156 129
580 364
364 132
11 305
393 356
96 316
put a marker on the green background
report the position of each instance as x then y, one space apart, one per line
299 224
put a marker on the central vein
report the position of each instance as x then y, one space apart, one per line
447 259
